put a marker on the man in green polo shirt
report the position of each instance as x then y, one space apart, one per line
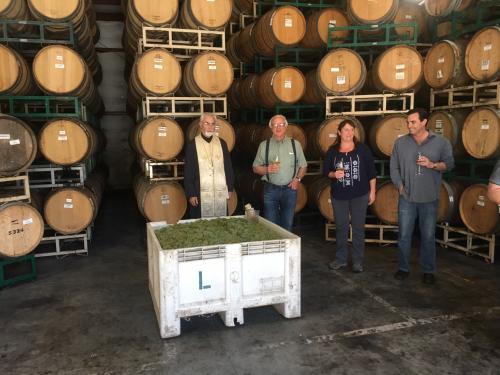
281 163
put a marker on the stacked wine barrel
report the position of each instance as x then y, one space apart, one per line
159 73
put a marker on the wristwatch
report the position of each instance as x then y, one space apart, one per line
297 178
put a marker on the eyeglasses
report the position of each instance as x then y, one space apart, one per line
279 125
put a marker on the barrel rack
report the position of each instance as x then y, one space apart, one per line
369 105
16 188
472 96
182 106
43 107
466 241
16 270
162 171
65 245
375 232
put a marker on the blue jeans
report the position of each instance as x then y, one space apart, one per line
279 205
353 211
426 213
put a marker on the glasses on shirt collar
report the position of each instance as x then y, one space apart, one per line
279 125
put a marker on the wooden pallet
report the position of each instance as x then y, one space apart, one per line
183 43
383 234
475 95
163 170
184 106
369 105
16 270
15 188
44 176
63 244
466 241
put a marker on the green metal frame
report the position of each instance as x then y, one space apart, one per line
295 114
474 173
42 107
17 279
285 56
482 14
357 40
39 36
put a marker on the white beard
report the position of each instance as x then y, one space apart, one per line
208 134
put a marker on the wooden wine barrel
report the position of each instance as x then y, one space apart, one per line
441 8
18 146
244 43
151 13
233 95
243 6
247 136
73 11
293 131
70 210
15 10
58 70
232 203
232 52
386 202
444 65
385 131
209 73
158 138
362 12
223 129
449 198
282 85
481 133
398 69
15 76
208 15
482 56
321 137
410 11
21 229
301 198
319 195
284 26
341 72
67 141
248 91
316 35
155 72
449 125
478 213
160 200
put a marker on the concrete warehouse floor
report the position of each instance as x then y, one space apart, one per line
94 315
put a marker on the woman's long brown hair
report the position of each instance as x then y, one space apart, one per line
336 144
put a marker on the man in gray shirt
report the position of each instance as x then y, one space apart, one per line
417 162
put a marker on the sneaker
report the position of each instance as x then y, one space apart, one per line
428 278
401 275
357 268
336 265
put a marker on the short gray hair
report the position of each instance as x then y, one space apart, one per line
275 116
205 115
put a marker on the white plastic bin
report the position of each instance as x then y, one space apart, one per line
223 278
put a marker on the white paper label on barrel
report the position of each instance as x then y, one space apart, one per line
68 205
4 136
212 67
28 221
485 64
59 58
332 22
480 203
408 16
439 124
451 199
158 66
211 62
329 200
69 200
334 69
332 135
62 132
288 22
165 199
340 80
162 134
487 47
158 60
288 84
400 75
485 126
400 66
439 74
62 138
162 128
14 142
59 66
211 1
